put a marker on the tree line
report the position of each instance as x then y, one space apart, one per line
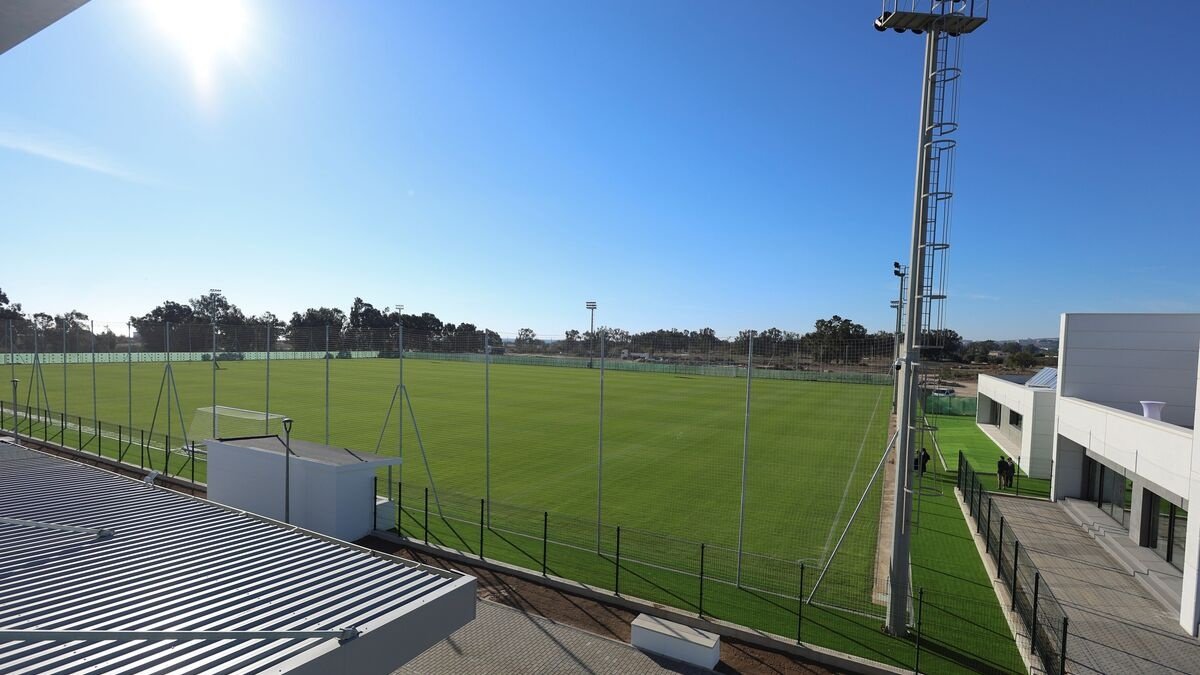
212 318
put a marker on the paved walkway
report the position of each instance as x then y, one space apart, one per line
505 640
1116 625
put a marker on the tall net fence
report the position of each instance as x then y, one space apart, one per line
760 446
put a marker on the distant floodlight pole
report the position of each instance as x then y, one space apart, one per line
945 21
287 470
591 305
900 271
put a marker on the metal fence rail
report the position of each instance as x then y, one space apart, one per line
1043 617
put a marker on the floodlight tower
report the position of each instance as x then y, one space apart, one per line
591 306
941 22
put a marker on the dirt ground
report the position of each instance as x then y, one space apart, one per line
592 616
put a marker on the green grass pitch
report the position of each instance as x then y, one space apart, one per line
672 444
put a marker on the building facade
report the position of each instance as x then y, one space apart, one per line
1017 413
1114 371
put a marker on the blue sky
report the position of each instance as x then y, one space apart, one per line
686 164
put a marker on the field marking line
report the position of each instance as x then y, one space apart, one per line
853 469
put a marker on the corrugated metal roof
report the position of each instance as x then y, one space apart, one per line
179 563
1046 378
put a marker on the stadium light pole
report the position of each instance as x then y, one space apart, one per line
287 470
591 305
399 420
16 417
900 271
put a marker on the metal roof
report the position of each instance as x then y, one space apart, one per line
324 454
1046 378
171 562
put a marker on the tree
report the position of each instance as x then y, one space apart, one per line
214 307
949 341
831 337
10 311
526 337
1020 360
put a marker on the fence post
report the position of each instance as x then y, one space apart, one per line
701 613
1000 544
1013 585
99 437
960 471
617 572
1033 627
374 502
545 533
987 539
79 428
800 607
920 611
978 508
1062 651
193 451
426 516
482 507
142 451
120 444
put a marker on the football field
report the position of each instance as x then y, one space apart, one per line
672 444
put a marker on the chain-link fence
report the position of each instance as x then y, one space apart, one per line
1041 615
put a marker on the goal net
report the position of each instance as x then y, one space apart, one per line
225 422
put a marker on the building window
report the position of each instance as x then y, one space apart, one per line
1171 533
1014 419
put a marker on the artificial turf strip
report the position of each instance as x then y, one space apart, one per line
957 433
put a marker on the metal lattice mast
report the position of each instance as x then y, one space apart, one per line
942 22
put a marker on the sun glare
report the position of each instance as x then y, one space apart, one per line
207 33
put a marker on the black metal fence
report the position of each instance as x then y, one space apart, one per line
169 455
1042 616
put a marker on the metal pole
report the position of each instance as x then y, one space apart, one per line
214 380
287 470
987 536
400 420
16 415
920 611
545 537
482 509
64 364
426 516
701 612
898 570
1033 627
600 455
617 570
1062 650
1013 586
267 420
745 455
129 369
800 607
95 408
326 357
487 421
899 328
167 447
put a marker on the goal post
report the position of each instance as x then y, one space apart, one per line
233 422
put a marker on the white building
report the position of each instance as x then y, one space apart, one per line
1017 413
1140 471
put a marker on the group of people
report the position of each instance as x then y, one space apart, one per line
1005 470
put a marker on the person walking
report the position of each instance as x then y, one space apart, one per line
924 460
1012 471
1001 473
